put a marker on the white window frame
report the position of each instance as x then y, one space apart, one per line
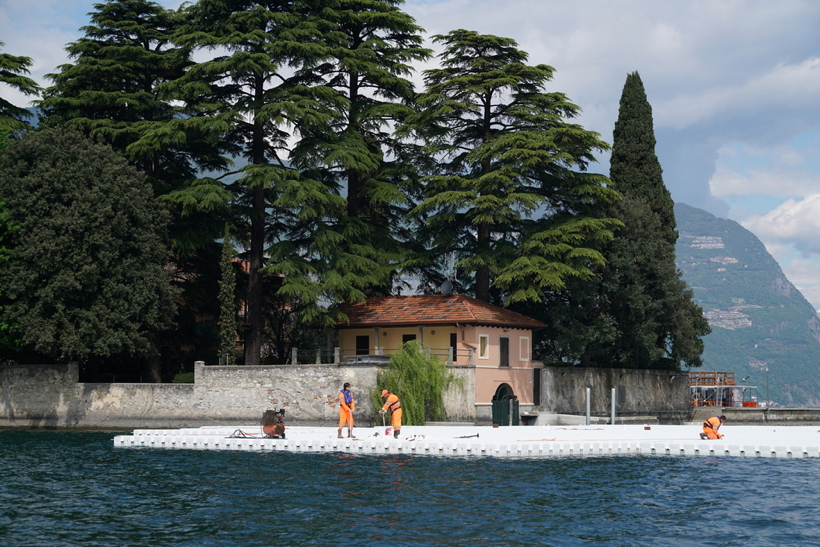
485 354
524 348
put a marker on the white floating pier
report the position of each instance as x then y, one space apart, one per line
502 442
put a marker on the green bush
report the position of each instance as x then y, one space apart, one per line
184 378
419 379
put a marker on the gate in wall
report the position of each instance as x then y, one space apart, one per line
505 406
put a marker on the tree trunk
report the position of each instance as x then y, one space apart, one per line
482 274
253 336
153 366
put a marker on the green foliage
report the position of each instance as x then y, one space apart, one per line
87 277
227 303
505 153
419 379
657 323
111 90
12 73
646 309
634 168
183 378
249 96
115 89
7 339
361 84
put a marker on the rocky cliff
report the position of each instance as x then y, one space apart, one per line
762 327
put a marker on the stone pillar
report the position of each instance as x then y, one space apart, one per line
199 371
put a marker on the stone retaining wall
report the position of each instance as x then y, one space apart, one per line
34 396
664 394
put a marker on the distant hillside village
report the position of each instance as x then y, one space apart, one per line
762 327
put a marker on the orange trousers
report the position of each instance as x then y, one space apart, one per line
711 433
395 419
345 417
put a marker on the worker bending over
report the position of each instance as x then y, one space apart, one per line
393 404
711 426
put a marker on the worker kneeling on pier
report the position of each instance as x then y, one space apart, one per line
711 426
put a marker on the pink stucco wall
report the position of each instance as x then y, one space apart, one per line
489 374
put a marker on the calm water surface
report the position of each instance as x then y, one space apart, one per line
71 488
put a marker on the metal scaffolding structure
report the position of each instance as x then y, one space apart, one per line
719 389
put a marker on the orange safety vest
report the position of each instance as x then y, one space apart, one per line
392 404
713 422
346 400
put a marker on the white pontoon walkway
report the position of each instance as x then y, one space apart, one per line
505 442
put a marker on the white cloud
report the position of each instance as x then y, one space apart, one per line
803 272
770 181
785 87
805 275
794 222
779 252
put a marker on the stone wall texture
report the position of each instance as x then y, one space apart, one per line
34 396
647 392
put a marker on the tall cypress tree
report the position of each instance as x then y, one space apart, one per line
634 168
657 324
227 303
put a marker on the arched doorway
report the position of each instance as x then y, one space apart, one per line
505 406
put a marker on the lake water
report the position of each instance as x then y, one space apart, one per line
75 488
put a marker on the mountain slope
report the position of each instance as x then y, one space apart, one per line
759 320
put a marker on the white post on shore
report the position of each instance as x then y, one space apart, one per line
588 407
613 406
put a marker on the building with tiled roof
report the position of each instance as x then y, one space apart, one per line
463 331
433 309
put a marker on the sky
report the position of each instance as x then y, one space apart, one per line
734 87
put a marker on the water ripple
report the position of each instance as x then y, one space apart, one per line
70 488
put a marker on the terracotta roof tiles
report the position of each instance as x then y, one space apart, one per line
436 309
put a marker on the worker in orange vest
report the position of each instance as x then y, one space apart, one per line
393 404
711 426
346 407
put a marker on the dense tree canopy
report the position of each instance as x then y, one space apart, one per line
657 324
508 188
361 83
116 89
86 278
295 122
249 95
